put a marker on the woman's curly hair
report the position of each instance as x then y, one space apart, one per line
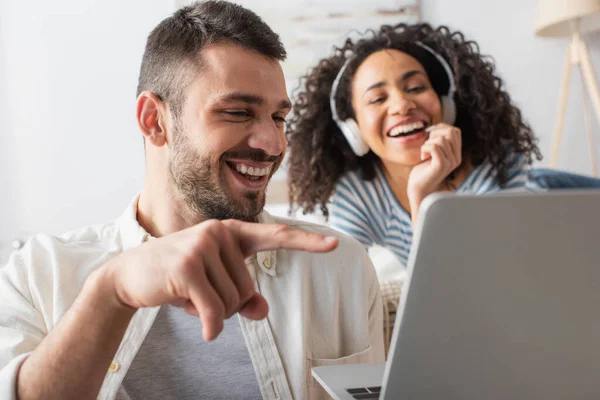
492 126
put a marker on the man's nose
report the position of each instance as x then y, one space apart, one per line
268 137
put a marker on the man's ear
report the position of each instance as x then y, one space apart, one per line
151 118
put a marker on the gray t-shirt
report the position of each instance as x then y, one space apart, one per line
174 362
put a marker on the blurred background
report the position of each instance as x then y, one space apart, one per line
70 151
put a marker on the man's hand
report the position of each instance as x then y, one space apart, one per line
440 154
202 269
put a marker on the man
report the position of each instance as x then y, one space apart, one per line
211 106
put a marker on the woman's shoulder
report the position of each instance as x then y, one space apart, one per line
352 186
483 178
353 179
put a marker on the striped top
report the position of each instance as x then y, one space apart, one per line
368 210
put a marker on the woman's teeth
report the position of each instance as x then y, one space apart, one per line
405 129
252 171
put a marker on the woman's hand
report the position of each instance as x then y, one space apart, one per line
441 154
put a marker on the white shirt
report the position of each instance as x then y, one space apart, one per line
324 308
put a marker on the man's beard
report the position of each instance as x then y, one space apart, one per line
200 185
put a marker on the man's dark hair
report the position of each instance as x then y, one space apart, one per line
173 50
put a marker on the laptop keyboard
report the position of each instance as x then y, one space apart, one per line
365 393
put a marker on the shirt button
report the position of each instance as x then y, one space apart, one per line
267 263
114 367
145 238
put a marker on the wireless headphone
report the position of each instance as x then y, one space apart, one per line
349 127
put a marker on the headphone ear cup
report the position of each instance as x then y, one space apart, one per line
352 133
448 110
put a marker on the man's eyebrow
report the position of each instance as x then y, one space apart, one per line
238 97
404 77
284 105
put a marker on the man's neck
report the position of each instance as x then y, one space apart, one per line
160 212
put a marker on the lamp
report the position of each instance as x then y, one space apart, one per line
572 18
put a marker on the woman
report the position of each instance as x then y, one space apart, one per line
398 115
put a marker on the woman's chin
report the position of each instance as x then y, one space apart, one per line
408 160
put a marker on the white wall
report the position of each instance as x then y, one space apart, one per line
71 153
532 67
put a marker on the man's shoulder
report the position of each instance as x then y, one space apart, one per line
348 255
344 239
347 268
90 236
75 248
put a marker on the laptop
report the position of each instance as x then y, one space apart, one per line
501 301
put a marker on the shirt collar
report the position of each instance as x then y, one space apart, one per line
132 235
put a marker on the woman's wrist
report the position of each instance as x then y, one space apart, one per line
415 197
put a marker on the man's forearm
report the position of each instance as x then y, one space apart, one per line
72 361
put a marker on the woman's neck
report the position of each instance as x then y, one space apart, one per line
397 178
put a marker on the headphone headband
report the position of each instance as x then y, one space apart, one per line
334 89
444 64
